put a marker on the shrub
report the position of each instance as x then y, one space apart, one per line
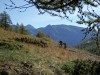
10 45
68 67
43 44
32 41
82 67
86 67
65 45
40 34
60 43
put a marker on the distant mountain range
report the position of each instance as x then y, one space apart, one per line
72 35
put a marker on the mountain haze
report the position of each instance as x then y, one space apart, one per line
72 35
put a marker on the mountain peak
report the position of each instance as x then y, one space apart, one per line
67 33
49 25
29 26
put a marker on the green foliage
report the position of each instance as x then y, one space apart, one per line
17 28
40 34
11 45
68 67
21 29
86 67
43 44
5 21
82 67
16 62
32 41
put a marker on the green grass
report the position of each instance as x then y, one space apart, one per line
20 56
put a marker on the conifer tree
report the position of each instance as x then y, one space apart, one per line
5 21
17 28
21 29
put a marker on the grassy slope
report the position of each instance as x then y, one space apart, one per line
89 45
24 58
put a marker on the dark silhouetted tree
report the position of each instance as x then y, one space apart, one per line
60 43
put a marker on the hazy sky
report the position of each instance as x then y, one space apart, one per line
30 16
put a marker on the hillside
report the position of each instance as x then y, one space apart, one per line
60 32
27 55
89 45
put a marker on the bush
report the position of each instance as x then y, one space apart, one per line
65 45
68 67
32 41
24 39
10 45
40 43
40 34
86 67
82 67
60 43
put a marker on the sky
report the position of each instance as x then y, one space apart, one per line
30 16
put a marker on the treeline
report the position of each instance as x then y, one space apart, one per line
6 24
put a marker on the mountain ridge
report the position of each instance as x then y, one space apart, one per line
70 34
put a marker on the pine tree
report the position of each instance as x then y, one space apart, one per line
5 21
17 28
21 29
